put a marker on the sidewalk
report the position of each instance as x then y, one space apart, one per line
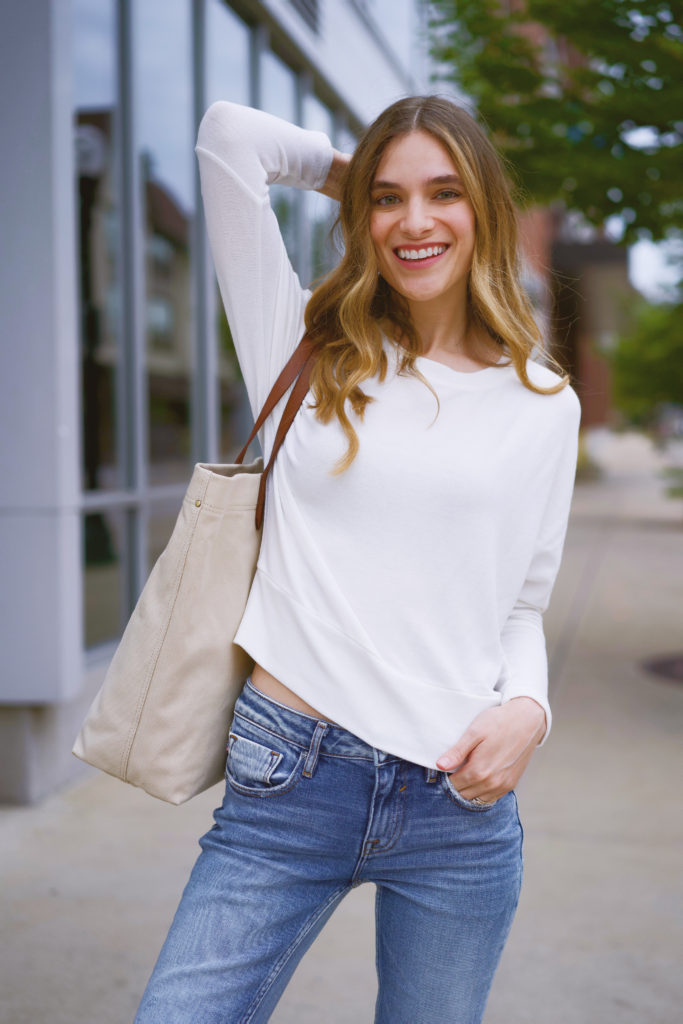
600 923
91 877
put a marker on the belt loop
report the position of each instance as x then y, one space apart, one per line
313 750
430 775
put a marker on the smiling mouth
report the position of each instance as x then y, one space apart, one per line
417 255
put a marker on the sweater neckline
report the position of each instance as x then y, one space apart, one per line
440 372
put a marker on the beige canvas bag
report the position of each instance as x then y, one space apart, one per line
161 719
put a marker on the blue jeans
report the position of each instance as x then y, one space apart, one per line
311 811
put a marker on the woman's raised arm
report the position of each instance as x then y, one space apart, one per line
241 151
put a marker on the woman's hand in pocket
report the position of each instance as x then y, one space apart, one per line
491 755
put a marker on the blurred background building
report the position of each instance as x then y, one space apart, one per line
117 367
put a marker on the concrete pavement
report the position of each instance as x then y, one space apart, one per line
91 876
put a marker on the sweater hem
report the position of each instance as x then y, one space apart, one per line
396 713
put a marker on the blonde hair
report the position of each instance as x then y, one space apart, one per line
349 310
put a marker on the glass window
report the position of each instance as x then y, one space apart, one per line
227 55
236 419
228 78
278 96
105 583
278 87
320 211
99 239
165 146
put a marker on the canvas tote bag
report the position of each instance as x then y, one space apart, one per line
161 719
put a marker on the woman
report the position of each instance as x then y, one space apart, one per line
414 527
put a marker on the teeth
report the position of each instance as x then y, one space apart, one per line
421 254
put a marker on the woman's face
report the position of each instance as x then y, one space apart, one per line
421 223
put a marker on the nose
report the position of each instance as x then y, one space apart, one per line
416 220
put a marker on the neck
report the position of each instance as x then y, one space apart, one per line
447 335
442 328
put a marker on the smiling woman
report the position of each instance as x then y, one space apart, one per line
411 540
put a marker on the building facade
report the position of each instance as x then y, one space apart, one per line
118 367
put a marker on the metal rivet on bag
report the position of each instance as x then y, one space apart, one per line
198 503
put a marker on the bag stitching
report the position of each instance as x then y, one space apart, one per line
226 509
144 689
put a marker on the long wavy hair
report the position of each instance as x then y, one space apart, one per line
353 307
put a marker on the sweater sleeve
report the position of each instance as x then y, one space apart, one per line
241 151
522 636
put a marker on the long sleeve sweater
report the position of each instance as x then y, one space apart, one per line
405 595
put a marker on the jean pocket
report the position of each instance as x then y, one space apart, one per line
457 797
262 769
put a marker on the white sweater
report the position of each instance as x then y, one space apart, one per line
404 596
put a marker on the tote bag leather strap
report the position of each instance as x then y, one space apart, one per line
298 368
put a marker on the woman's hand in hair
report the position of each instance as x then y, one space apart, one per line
489 758
335 178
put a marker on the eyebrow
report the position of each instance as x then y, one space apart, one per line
442 179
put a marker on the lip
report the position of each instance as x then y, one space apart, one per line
428 261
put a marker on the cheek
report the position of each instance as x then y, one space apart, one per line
464 222
464 229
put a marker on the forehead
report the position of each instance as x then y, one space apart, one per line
417 153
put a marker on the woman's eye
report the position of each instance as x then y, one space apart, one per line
386 200
449 193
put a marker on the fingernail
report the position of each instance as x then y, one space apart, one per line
444 763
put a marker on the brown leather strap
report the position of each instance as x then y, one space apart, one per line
292 407
289 374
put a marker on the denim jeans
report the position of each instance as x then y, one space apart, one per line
311 811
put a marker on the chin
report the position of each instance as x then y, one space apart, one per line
421 294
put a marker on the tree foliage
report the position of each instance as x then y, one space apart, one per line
647 362
583 97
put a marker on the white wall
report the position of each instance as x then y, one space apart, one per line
354 63
40 586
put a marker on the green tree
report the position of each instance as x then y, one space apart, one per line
584 98
647 362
